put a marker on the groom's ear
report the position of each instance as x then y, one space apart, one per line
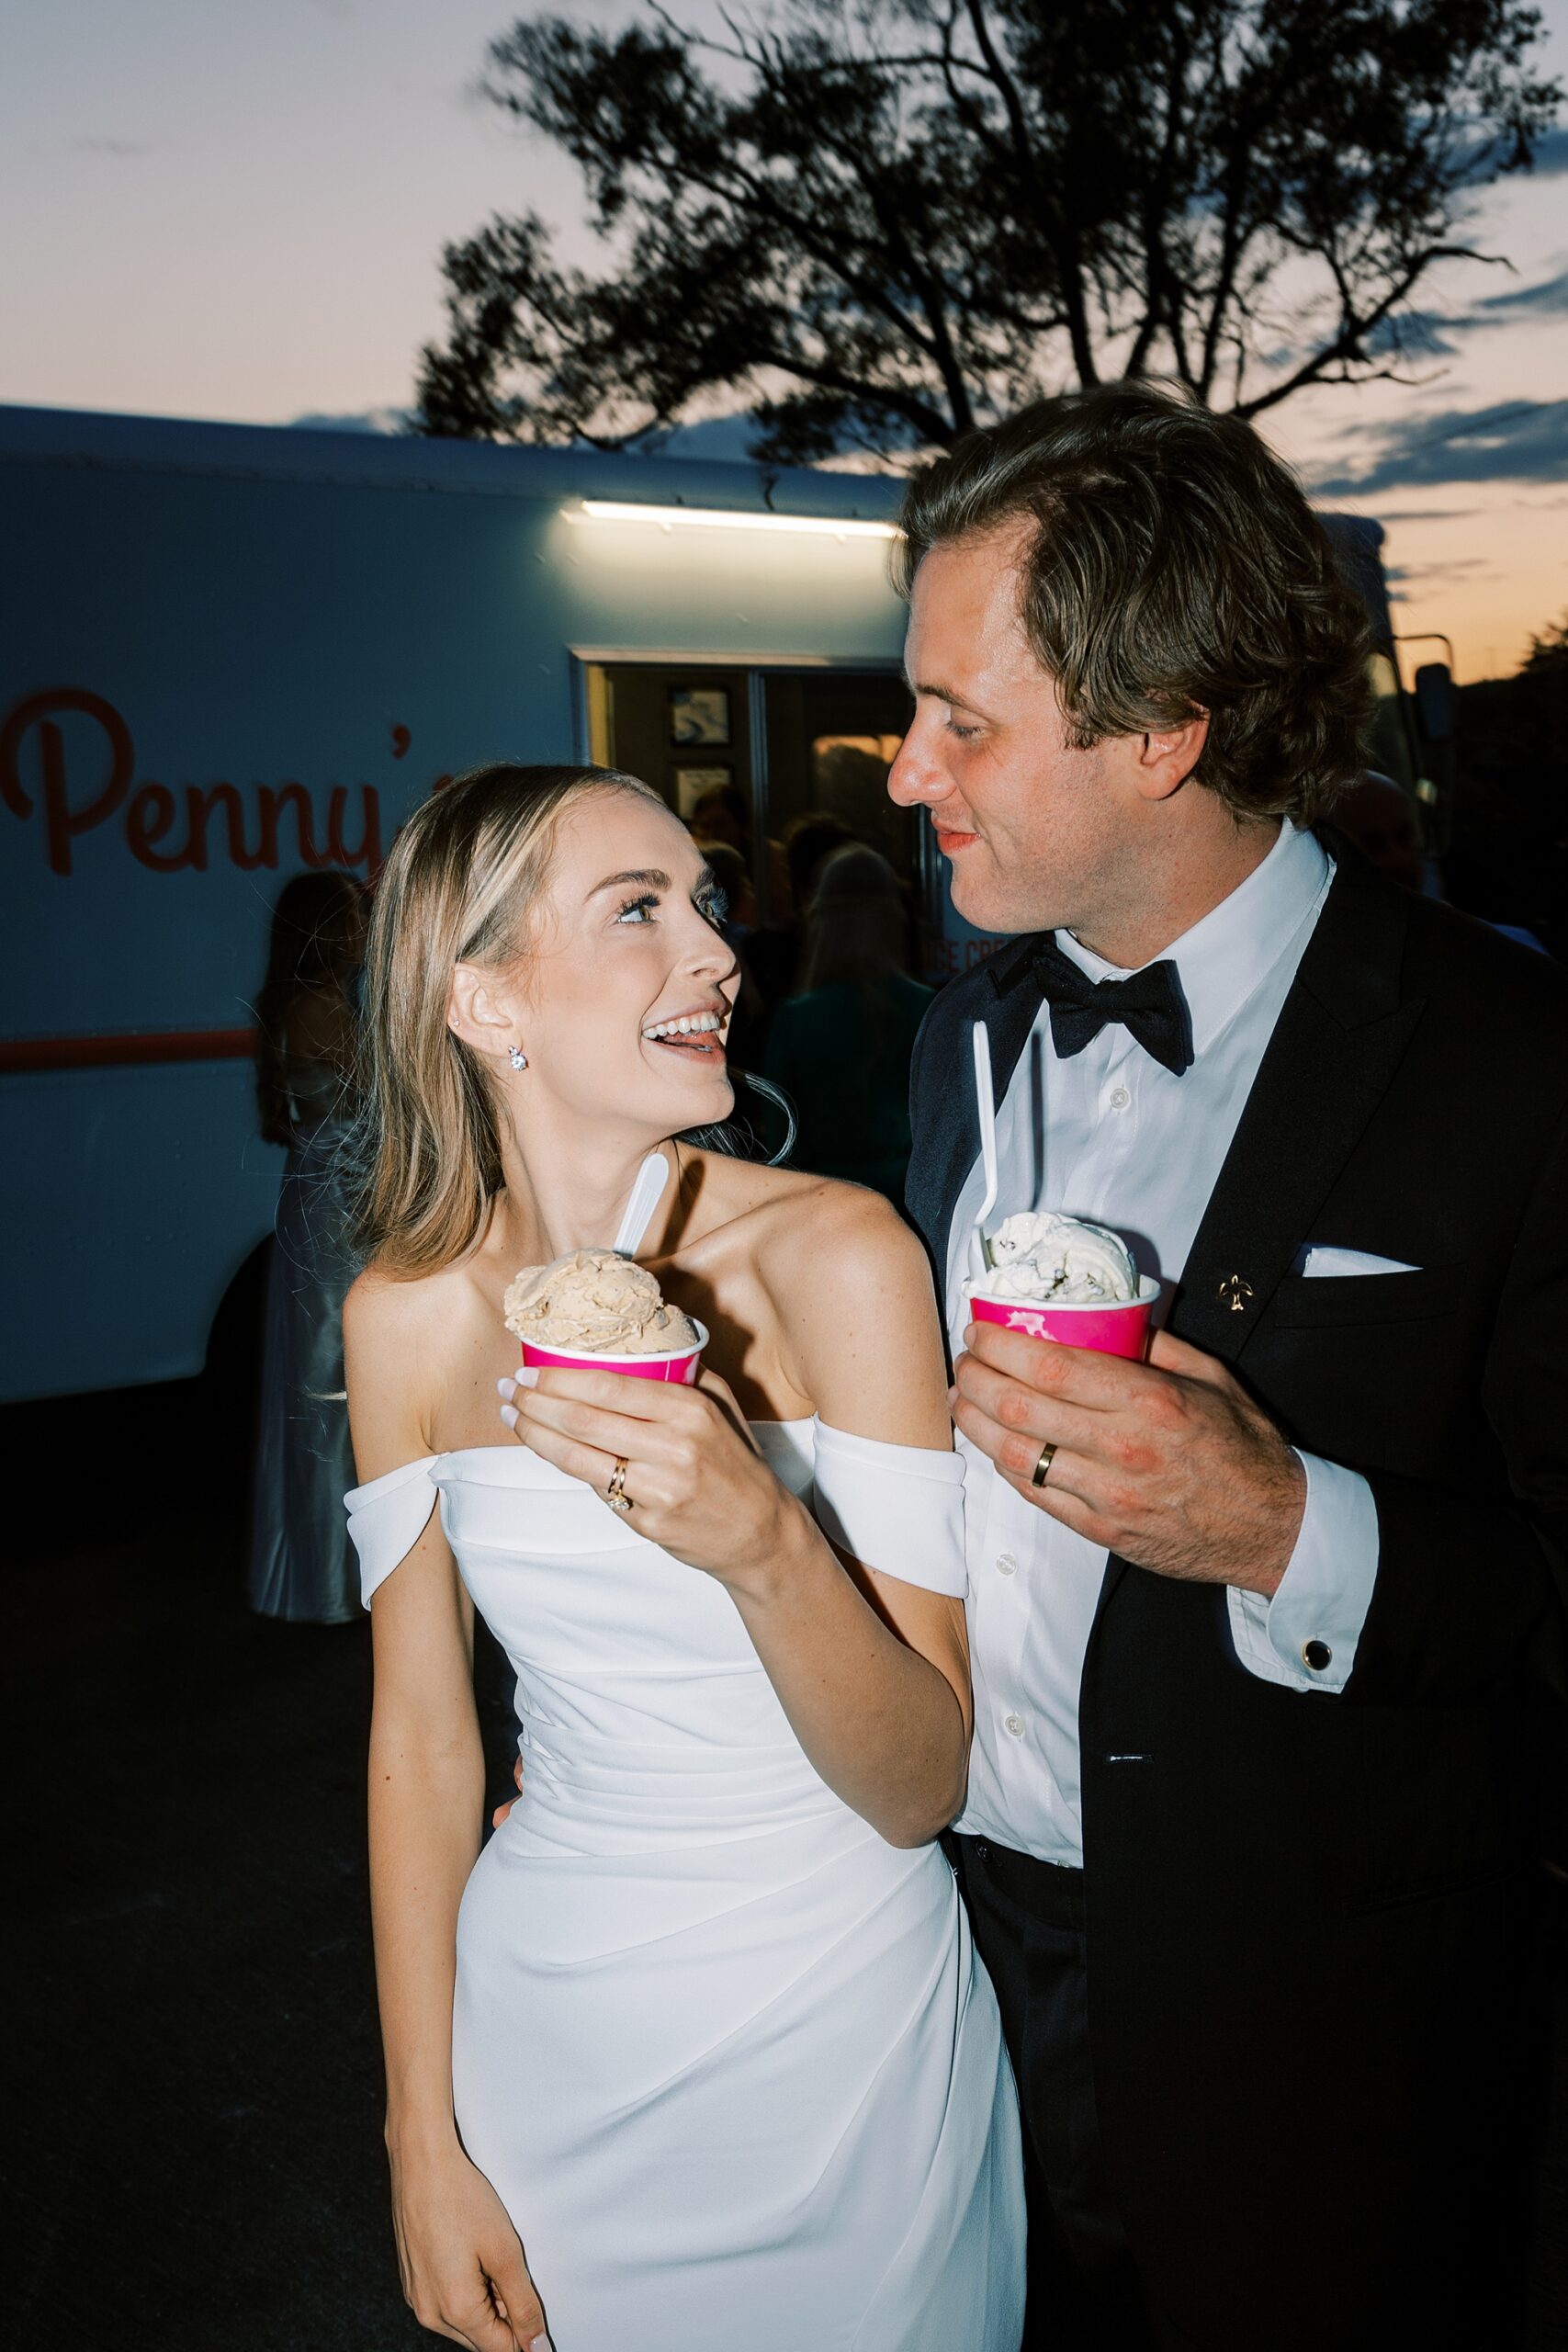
1166 758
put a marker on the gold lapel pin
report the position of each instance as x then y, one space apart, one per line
1237 1291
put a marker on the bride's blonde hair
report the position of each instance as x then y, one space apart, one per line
462 880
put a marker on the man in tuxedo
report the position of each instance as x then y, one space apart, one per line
1263 1628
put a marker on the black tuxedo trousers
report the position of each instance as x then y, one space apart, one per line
1308 1917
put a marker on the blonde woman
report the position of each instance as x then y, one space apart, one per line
696 2055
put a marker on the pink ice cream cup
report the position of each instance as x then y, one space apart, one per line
680 1366
1110 1330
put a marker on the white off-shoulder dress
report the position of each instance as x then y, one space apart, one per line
730 2060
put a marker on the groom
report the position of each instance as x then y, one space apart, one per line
1264 1629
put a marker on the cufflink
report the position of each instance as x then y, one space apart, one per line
1315 1656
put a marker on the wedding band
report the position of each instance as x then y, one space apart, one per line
616 1493
1043 1467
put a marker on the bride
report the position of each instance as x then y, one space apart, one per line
698 2053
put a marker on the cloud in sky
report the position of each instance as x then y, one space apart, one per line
1551 155
1404 576
1434 335
1547 297
363 420
726 437
1510 441
1414 334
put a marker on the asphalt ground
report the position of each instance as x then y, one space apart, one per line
191 2157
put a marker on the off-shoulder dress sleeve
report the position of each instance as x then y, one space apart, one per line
896 1509
387 1519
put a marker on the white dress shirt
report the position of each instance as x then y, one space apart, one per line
1111 1135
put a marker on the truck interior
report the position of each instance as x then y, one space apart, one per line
788 740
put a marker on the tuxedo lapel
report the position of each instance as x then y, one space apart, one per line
1007 1002
1338 1041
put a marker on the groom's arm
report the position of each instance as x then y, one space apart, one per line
1172 1465
1308 1637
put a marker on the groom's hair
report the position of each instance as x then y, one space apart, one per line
1175 568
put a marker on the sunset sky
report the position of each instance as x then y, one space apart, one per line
236 210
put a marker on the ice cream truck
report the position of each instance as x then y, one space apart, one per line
231 655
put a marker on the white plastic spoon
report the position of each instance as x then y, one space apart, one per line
985 1103
646 1193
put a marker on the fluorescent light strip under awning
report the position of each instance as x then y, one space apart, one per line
717 518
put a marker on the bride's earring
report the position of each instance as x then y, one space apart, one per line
519 1058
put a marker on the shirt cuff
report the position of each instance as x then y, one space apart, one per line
1306 1638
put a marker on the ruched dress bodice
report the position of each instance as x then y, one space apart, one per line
727 2055
643 1709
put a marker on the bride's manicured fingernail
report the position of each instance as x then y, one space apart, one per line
541 2344
528 1377
509 1414
507 1388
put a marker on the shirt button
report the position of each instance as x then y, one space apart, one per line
1315 1656
1006 1564
1013 1723
1119 1098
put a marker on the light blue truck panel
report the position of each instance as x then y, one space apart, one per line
210 633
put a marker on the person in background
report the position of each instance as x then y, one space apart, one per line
722 815
775 949
1379 818
302 1563
840 1050
808 839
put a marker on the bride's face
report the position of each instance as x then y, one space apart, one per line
623 948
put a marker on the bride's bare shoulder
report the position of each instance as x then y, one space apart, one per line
429 1311
856 1306
805 1229
402 1335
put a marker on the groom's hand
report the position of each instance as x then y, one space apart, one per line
1169 1463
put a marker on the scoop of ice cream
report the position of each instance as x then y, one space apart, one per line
595 1303
1037 1255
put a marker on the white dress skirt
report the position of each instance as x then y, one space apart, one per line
730 2060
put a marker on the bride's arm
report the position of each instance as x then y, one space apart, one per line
873 1673
462 2265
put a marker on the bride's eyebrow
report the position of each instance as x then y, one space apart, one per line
649 876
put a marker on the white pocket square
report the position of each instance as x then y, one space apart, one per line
1319 1259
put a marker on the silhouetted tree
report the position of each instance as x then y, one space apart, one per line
875 224
1549 651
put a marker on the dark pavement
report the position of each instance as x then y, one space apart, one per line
192 2157
192 2153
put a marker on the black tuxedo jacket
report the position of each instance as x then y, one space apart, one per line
1307 1913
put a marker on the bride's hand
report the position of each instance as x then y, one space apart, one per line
463 2272
694 1480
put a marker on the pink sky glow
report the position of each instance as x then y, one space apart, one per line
237 212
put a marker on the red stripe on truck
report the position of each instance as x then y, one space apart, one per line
125 1052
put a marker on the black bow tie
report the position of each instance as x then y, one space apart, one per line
1150 1004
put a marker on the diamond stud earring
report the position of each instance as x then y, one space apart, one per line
519 1058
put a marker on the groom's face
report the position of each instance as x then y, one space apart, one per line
1030 825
